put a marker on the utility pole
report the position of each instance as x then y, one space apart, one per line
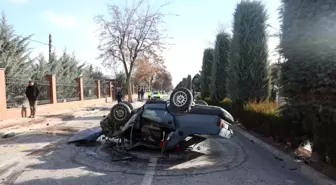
50 41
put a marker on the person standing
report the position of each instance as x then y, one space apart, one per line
149 94
119 96
32 94
139 94
142 92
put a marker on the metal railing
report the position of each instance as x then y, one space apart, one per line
90 91
104 88
67 92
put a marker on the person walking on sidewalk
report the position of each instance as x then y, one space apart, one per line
32 94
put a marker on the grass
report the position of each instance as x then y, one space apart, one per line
267 107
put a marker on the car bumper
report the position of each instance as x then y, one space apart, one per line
226 133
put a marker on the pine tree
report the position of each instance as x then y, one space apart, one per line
14 52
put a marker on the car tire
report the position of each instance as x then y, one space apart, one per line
120 113
181 99
129 104
201 102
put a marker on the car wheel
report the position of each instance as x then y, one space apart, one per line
201 102
129 104
181 99
120 113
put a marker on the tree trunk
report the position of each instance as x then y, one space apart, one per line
129 89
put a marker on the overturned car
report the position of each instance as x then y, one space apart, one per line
166 125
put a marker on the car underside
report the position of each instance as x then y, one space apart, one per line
166 125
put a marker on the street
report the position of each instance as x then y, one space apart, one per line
41 159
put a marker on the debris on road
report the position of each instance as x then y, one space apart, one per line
86 136
8 135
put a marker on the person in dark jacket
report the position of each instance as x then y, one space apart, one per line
119 96
32 93
139 94
142 92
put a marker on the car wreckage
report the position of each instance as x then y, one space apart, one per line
177 123
166 125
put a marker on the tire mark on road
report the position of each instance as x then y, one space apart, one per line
5 168
12 177
147 180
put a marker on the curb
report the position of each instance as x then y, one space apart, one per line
305 170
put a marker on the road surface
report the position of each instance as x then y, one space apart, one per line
47 159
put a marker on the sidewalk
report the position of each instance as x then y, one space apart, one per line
48 122
58 114
62 114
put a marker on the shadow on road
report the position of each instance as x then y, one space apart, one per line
30 138
81 179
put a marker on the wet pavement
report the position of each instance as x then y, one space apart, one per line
41 159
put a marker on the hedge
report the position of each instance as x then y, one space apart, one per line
264 118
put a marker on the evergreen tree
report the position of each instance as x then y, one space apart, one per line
206 72
249 59
309 73
189 82
14 52
219 70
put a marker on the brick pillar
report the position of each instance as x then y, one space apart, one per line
115 90
110 90
3 101
98 88
80 88
52 88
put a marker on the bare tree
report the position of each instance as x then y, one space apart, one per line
163 80
129 33
145 70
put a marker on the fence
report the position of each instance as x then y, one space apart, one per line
90 89
65 91
13 97
53 93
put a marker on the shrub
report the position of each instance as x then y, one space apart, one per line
261 117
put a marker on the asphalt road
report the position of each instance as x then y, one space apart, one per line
236 162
